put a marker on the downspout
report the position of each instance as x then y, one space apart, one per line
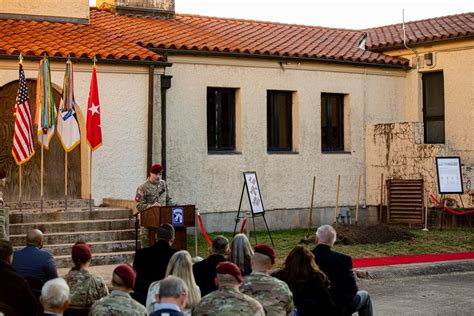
151 96
165 85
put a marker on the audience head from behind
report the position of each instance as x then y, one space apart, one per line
165 232
228 275
173 290
326 235
181 266
220 246
6 252
263 258
35 238
55 296
123 278
81 255
241 253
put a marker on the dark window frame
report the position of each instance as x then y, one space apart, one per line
274 131
427 117
215 120
327 141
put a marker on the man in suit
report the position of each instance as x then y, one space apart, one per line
150 263
205 270
32 262
338 268
171 297
15 295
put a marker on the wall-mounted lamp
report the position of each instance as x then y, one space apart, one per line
428 59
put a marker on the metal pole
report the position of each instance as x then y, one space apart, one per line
19 187
426 212
195 232
357 200
65 180
310 221
336 209
90 180
42 174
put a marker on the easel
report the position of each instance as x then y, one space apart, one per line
256 212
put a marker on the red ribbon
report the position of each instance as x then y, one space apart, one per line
244 222
203 230
447 209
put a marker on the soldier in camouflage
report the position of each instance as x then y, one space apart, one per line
119 301
153 192
274 294
227 299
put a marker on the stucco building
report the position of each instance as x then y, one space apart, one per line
211 98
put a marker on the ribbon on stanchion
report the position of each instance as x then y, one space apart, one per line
203 230
447 209
242 227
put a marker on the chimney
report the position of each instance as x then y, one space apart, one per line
66 11
163 9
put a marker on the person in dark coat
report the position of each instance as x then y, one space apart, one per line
150 263
171 297
34 262
308 283
15 295
338 268
205 270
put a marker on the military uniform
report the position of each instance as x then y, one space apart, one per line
227 301
85 288
272 293
117 303
147 194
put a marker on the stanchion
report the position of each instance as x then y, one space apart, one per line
425 229
336 209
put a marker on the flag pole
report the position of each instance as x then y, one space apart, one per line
65 180
42 174
19 187
90 180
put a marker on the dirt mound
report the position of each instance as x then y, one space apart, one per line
375 234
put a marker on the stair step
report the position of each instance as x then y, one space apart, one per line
72 226
47 204
97 247
98 259
35 215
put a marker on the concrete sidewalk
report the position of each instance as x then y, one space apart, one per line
382 272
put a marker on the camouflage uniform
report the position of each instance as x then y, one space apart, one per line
85 288
147 194
274 294
117 303
227 301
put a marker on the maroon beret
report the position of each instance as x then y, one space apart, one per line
266 250
127 274
81 251
156 168
228 267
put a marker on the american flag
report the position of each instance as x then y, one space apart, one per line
22 149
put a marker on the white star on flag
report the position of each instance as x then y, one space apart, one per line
94 109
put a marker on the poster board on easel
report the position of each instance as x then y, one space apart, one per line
253 192
448 171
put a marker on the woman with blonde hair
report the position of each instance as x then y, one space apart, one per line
241 253
181 266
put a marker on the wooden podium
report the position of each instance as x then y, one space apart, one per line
180 216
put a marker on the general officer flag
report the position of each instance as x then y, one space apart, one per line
94 129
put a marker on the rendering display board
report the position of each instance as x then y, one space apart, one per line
448 171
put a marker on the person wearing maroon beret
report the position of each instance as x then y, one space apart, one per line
227 299
153 192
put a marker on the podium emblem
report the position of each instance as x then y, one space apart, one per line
177 216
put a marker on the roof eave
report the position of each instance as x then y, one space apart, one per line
418 44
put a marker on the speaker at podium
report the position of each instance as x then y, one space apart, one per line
180 216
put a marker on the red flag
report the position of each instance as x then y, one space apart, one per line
22 148
93 127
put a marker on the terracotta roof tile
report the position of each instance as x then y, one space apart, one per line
423 31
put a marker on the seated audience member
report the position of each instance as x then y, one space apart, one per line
171 297
227 299
15 294
85 288
119 301
34 262
338 268
150 263
272 293
180 266
241 252
308 284
205 270
55 297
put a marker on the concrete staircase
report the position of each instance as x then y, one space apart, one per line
109 230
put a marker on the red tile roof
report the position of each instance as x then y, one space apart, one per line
127 38
423 31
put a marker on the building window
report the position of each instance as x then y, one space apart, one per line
433 107
279 120
220 119
332 122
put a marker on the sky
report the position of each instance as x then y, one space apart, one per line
329 13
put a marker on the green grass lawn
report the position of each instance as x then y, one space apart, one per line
431 242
